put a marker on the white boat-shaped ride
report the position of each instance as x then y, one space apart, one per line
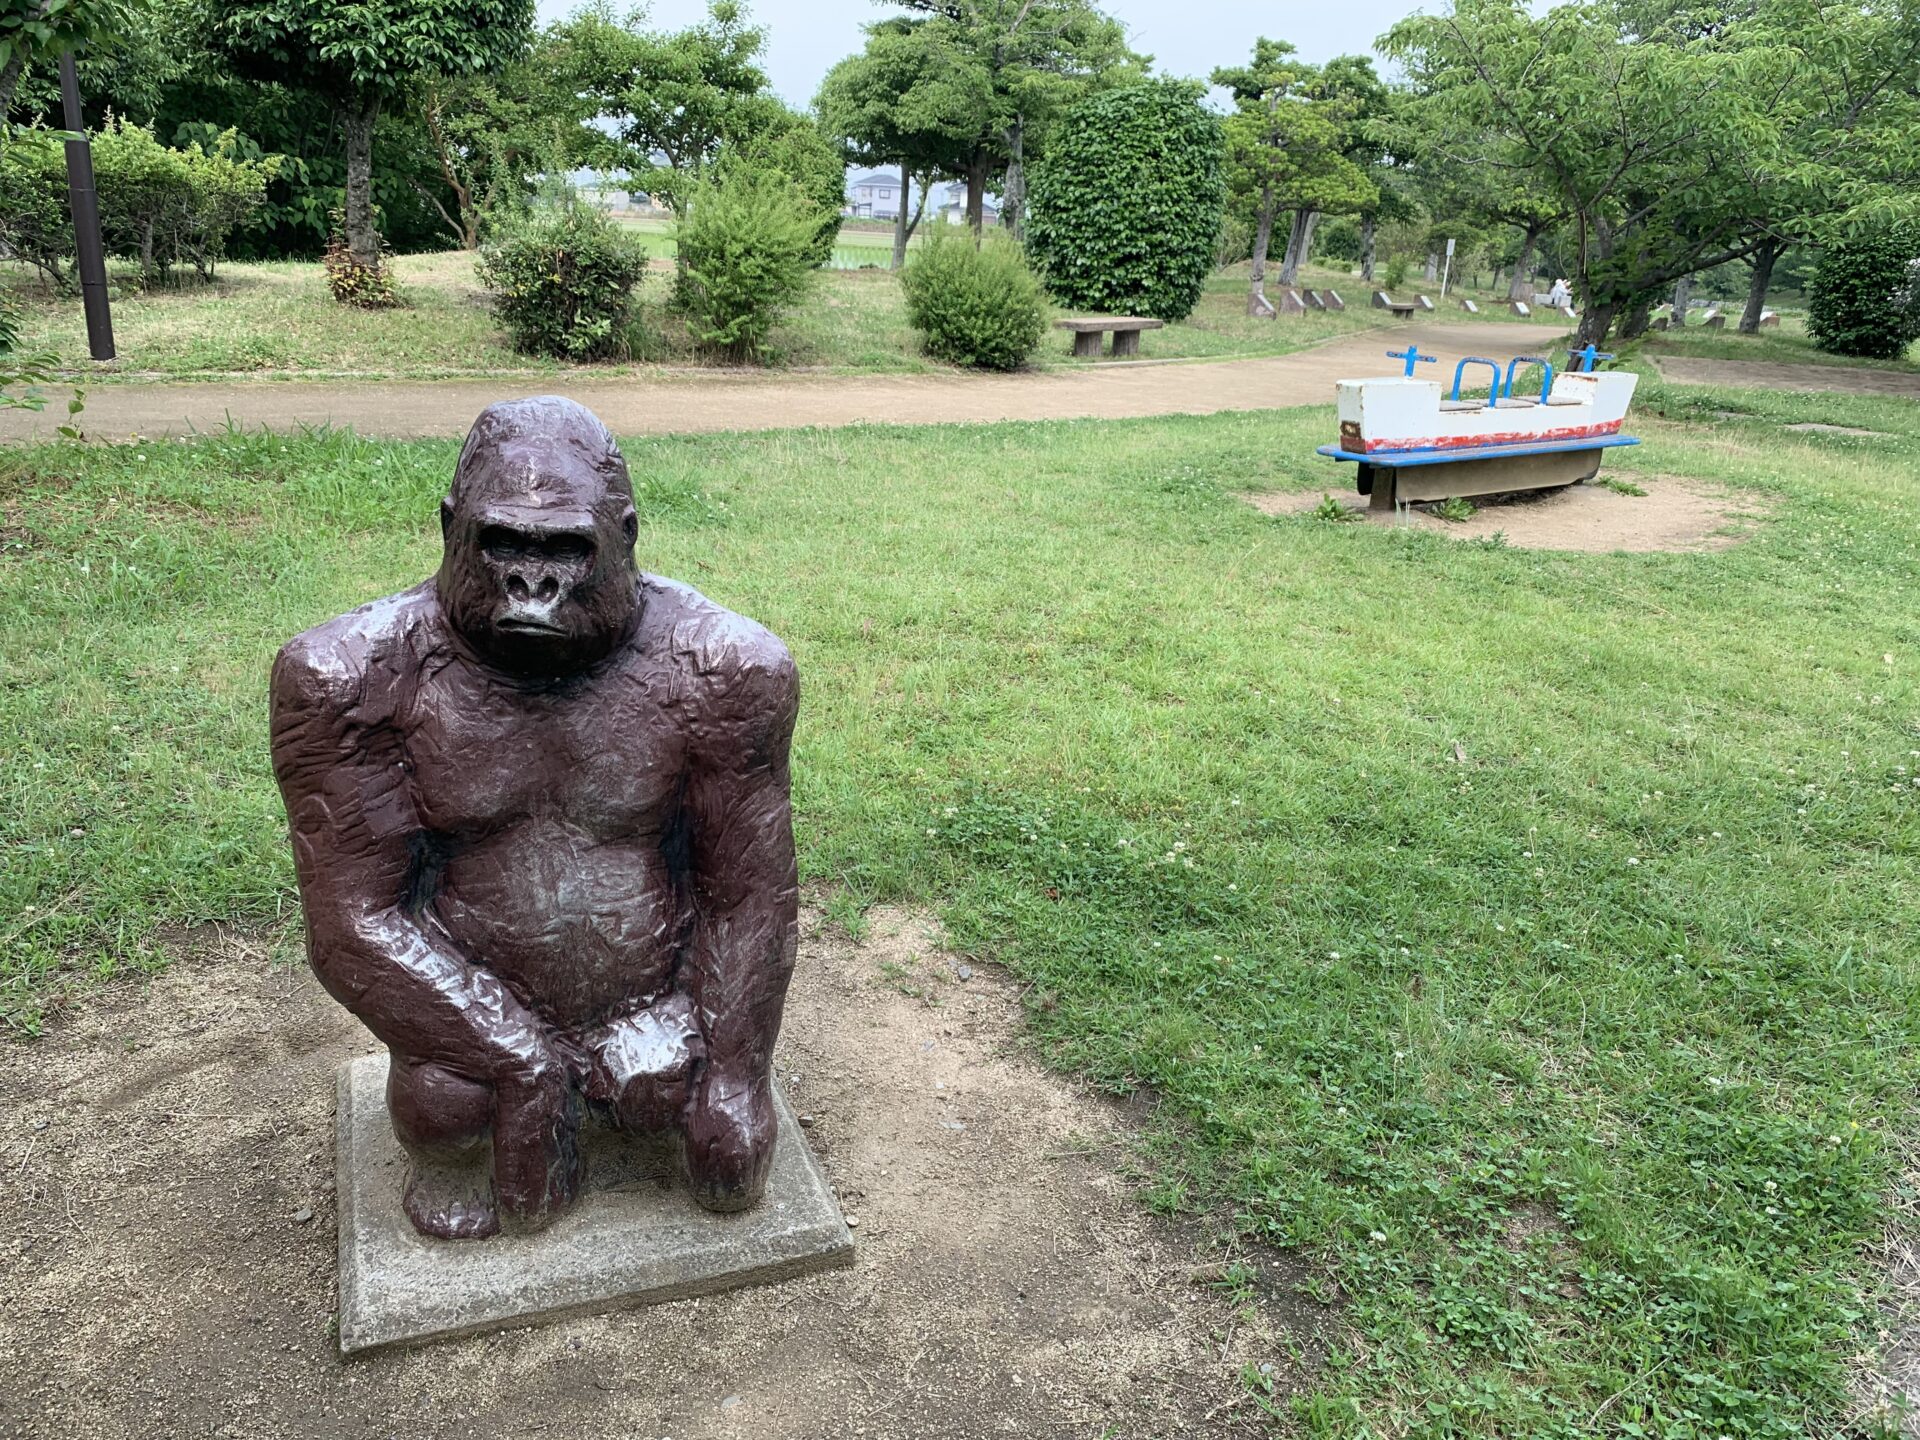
1411 443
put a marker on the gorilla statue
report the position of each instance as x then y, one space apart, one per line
540 816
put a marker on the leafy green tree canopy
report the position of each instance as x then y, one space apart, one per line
1127 204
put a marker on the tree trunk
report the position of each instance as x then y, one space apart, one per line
901 229
1763 259
1595 321
146 250
1639 315
977 190
1433 267
1257 304
1523 267
1682 297
1367 224
1298 240
363 240
1013 213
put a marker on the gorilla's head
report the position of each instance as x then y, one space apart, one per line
537 571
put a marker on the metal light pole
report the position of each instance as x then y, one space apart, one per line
86 217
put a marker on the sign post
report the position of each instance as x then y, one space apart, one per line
1447 273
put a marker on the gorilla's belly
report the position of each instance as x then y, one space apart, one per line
578 929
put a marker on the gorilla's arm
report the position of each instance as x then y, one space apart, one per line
745 890
338 759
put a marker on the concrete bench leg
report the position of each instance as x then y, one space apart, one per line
1125 343
1086 344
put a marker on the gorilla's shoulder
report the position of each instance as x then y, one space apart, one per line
733 656
332 664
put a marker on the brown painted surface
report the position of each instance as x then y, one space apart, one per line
541 822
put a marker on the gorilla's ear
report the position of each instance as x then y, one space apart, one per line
446 518
630 526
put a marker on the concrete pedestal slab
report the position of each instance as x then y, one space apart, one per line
635 1238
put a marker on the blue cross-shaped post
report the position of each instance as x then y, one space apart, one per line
1412 356
1585 358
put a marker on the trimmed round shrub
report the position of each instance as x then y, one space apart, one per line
1126 207
562 278
1866 295
746 257
979 306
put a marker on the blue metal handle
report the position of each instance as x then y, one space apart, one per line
1583 360
1546 387
1493 365
1412 356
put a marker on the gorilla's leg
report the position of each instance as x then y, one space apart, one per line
443 1120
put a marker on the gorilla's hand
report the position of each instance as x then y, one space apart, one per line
730 1132
537 1170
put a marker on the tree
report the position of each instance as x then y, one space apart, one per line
874 103
1127 204
1673 150
1000 72
367 56
1866 294
673 98
37 31
1286 149
492 133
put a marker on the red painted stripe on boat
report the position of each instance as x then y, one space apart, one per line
1500 437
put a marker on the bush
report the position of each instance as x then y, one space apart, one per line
1126 208
165 207
746 257
160 206
36 227
795 146
975 305
562 278
1866 295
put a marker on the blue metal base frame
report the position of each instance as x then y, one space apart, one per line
1406 459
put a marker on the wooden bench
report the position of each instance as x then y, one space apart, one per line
1089 334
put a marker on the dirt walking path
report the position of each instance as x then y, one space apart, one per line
167 1241
1779 375
692 402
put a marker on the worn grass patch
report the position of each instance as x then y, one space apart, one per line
1526 936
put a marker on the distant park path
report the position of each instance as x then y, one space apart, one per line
685 402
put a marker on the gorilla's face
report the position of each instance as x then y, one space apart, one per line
537 574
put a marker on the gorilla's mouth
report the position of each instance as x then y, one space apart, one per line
519 625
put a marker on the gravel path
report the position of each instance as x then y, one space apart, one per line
688 402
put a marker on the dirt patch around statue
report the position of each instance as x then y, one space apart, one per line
167 1232
1674 515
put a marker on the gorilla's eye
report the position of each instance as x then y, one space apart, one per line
505 544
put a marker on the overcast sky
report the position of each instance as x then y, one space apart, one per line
1185 37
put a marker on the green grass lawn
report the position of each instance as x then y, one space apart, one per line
276 321
1789 344
1527 938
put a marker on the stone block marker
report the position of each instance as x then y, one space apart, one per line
1469 307
1259 307
1334 302
1567 312
635 1238
1521 308
1769 320
1423 302
1291 303
1314 302
1089 331
1659 322
1715 320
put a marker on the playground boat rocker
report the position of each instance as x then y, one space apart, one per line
1412 445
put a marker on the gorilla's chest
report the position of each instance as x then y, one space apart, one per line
604 761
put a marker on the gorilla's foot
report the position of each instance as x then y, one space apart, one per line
450 1200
